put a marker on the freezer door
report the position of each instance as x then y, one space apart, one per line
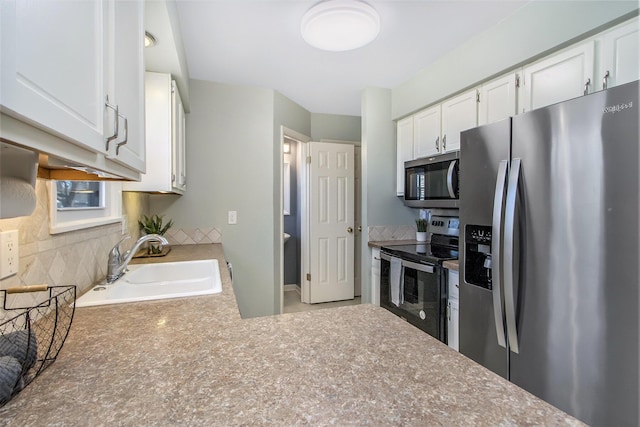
576 234
482 151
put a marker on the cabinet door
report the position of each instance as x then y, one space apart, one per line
620 55
426 124
498 99
559 77
458 114
404 151
52 75
126 82
178 143
453 332
375 276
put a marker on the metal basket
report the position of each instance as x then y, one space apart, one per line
32 335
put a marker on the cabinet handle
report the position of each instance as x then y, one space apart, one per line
444 143
115 126
605 80
126 133
586 86
438 144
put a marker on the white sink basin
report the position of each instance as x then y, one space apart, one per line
287 236
145 282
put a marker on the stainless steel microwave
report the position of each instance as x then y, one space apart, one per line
433 182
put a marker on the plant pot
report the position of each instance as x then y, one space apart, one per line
421 236
154 249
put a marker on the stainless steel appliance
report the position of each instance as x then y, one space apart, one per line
412 282
549 265
432 182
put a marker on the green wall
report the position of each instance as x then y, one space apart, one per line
532 32
335 127
230 147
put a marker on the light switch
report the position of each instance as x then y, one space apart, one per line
232 217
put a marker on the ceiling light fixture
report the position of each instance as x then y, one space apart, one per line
149 39
339 25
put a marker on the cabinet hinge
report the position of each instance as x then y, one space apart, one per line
477 96
308 159
517 80
309 277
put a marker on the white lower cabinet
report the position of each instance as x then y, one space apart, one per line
375 276
453 329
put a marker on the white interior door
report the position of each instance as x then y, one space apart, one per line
331 217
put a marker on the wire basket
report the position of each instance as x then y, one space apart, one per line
33 334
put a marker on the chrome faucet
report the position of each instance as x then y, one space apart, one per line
116 265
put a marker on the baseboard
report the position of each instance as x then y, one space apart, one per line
293 287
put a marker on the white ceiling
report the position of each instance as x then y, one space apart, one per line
258 43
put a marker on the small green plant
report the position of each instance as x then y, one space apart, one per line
422 224
154 225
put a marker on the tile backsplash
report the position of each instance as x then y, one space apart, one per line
73 258
392 232
80 257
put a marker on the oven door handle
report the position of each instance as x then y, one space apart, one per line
452 167
419 267
408 264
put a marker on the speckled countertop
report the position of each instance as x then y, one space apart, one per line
194 362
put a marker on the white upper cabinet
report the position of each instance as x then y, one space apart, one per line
165 138
179 141
498 99
458 113
620 55
427 132
565 75
75 70
126 83
404 150
53 67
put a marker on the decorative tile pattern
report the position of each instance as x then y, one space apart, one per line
392 232
74 258
193 236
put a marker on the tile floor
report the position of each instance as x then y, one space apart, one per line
292 303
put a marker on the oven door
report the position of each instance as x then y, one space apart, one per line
417 296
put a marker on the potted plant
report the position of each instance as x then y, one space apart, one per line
421 233
154 225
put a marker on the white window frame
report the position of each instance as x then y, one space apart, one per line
76 219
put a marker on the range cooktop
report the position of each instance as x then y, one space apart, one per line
425 253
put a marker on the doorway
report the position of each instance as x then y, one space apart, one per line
295 290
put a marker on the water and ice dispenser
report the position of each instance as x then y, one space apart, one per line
477 267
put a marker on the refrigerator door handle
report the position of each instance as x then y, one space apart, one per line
509 249
496 256
452 167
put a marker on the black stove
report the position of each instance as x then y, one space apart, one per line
443 245
423 253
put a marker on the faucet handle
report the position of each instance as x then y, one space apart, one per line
115 252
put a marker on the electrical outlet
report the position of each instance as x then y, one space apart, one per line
232 217
8 253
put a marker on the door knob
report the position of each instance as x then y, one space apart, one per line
349 230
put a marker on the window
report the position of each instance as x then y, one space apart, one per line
74 205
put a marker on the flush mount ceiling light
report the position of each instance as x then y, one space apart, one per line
149 39
339 25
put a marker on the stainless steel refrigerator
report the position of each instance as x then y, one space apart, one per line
549 260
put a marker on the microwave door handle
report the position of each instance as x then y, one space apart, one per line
452 167
509 250
496 256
